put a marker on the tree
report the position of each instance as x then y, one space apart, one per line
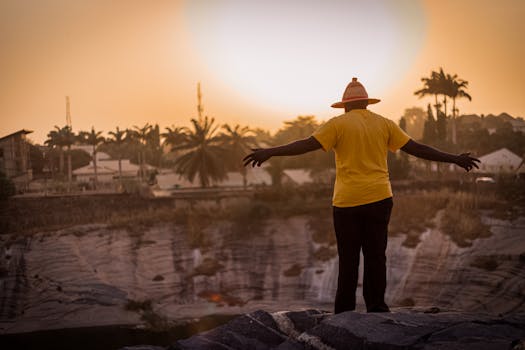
204 153
430 87
94 139
153 147
238 141
140 136
68 138
174 136
54 141
60 138
415 122
429 130
456 89
442 87
403 124
118 140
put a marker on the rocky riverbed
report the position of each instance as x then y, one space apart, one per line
162 274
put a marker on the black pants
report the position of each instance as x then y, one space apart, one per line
362 227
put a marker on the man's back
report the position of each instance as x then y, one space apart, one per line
361 140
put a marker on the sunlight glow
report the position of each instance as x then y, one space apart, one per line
299 55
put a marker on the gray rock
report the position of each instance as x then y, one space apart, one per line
401 329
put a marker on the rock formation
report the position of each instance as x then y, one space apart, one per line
401 329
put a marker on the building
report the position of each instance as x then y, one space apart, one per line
501 161
108 170
14 158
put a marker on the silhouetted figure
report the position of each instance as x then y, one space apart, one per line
362 200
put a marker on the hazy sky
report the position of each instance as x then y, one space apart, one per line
128 62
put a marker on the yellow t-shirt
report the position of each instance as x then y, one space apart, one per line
361 140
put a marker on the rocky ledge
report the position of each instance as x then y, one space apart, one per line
402 329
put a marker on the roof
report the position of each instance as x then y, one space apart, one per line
169 179
502 158
299 176
109 167
23 131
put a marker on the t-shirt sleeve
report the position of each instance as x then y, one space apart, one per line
397 137
326 135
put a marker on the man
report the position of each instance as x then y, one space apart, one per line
362 199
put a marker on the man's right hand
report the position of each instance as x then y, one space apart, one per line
257 157
467 162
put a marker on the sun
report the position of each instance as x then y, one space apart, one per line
299 55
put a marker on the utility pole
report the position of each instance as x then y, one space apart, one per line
68 114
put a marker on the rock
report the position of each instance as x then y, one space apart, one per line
401 329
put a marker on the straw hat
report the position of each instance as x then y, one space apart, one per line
355 91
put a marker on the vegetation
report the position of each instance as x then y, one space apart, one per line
204 155
238 141
92 138
206 152
118 140
448 86
58 139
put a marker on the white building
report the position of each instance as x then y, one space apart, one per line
107 170
500 162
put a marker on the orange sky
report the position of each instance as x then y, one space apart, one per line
125 63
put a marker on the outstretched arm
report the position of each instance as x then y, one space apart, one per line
420 150
260 155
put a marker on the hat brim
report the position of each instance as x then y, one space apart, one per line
341 104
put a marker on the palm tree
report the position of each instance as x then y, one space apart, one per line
67 139
118 139
443 83
456 89
153 147
431 87
204 153
238 141
92 138
141 136
54 141
174 136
